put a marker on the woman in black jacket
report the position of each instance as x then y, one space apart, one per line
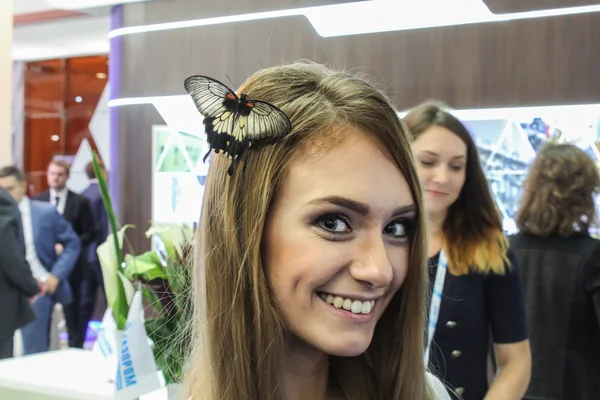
474 282
560 265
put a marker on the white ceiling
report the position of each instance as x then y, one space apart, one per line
63 38
30 6
69 37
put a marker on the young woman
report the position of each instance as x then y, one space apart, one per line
560 263
475 285
311 277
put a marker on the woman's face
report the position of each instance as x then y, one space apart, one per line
336 244
442 162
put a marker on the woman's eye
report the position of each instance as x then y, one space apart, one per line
396 229
426 163
334 224
456 167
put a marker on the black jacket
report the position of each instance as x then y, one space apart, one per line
17 284
78 213
561 282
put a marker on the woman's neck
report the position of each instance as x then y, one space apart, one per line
436 237
305 372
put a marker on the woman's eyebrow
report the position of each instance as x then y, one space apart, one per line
357 206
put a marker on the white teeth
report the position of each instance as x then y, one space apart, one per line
354 306
347 304
338 301
365 307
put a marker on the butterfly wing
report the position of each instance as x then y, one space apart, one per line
217 103
212 98
264 121
232 123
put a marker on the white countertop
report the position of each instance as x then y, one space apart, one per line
65 374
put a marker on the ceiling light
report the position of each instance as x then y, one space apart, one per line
54 138
515 113
373 16
101 75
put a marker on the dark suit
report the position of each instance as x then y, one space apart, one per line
47 229
78 213
16 281
93 280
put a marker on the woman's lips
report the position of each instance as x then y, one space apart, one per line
435 193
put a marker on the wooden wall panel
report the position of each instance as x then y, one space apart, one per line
158 11
527 62
135 166
512 6
523 62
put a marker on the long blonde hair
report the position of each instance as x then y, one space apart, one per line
238 338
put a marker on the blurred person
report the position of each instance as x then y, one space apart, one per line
311 255
93 282
43 228
17 284
477 297
76 209
560 264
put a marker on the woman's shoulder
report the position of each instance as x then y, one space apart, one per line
437 387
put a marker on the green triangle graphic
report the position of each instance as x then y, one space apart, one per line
173 161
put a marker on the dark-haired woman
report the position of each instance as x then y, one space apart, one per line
476 294
560 266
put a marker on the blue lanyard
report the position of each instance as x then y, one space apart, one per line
436 301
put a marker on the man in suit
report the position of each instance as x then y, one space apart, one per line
43 228
93 281
77 211
17 283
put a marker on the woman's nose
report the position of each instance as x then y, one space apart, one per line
372 265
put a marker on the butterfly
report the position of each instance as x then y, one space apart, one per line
232 123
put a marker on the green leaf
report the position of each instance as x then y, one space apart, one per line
152 299
174 237
116 295
127 286
147 266
113 260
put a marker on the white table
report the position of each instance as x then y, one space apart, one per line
71 374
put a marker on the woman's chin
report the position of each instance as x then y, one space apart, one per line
350 347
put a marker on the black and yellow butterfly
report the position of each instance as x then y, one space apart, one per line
233 123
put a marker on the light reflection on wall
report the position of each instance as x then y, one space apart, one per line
507 139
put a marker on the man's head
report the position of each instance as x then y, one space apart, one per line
58 174
13 181
89 170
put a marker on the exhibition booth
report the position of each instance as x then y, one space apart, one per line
507 140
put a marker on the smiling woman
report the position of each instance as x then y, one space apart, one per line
311 254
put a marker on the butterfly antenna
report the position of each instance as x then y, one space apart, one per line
230 81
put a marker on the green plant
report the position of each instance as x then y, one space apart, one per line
110 254
163 276
166 279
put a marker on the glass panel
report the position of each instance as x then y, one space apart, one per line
60 99
508 146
